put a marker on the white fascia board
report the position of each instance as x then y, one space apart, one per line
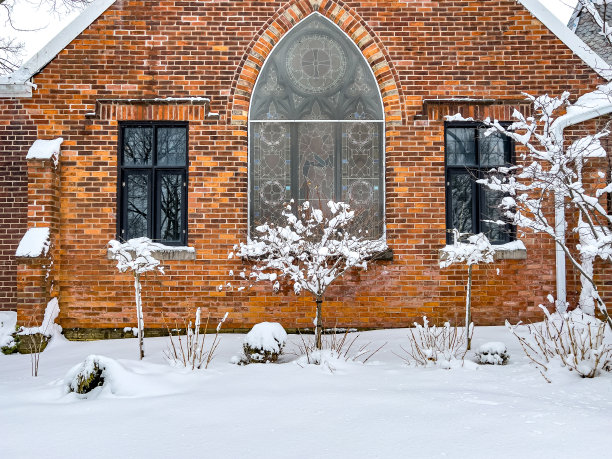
20 77
571 40
15 91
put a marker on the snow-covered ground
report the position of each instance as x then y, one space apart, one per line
382 409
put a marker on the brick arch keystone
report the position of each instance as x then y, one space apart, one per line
352 25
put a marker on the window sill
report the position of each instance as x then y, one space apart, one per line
169 252
511 251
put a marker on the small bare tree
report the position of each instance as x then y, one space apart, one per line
313 250
136 256
475 251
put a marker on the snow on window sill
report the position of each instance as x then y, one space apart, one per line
168 252
514 250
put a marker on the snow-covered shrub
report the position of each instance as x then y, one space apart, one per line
492 353
573 340
190 352
432 345
86 376
136 255
316 247
264 343
35 339
8 332
336 347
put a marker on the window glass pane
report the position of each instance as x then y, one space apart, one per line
461 198
494 148
490 210
138 146
316 162
270 172
461 146
171 146
137 198
362 175
170 206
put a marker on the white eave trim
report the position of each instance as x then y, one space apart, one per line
571 40
17 83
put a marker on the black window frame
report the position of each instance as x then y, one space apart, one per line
476 172
153 171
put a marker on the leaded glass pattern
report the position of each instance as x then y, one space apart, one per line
316 128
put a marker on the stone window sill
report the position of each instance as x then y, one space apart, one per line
511 251
168 252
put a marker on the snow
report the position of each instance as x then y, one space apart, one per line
34 243
263 411
267 336
8 321
48 327
476 250
45 149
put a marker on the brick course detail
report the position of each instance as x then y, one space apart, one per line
419 51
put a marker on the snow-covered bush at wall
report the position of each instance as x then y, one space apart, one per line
264 343
492 353
8 332
574 340
443 346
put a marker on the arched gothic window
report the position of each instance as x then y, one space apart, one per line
316 128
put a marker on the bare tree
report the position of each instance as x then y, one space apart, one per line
11 50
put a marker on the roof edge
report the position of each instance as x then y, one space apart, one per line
571 40
39 60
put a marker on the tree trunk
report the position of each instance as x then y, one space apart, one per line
468 308
318 324
139 317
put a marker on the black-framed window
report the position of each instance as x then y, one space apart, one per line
470 155
153 163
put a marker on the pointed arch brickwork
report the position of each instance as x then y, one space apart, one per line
348 21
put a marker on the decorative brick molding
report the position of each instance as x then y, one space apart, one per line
176 109
349 22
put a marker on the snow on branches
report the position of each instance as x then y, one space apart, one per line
476 250
136 255
310 252
551 183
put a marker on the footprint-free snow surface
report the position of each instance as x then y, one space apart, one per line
383 409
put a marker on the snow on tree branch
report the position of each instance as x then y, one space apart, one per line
475 251
315 248
552 180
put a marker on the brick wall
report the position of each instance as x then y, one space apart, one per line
418 50
17 132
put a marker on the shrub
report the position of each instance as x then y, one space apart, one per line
575 340
493 353
435 345
264 343
86 376
191 352
10 343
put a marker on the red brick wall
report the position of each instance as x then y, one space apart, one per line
417 49
17 132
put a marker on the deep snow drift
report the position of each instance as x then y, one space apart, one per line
381 409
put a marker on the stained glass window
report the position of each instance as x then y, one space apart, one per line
470 155
317 128
153 182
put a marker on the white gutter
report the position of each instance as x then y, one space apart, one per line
17 84
592 105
